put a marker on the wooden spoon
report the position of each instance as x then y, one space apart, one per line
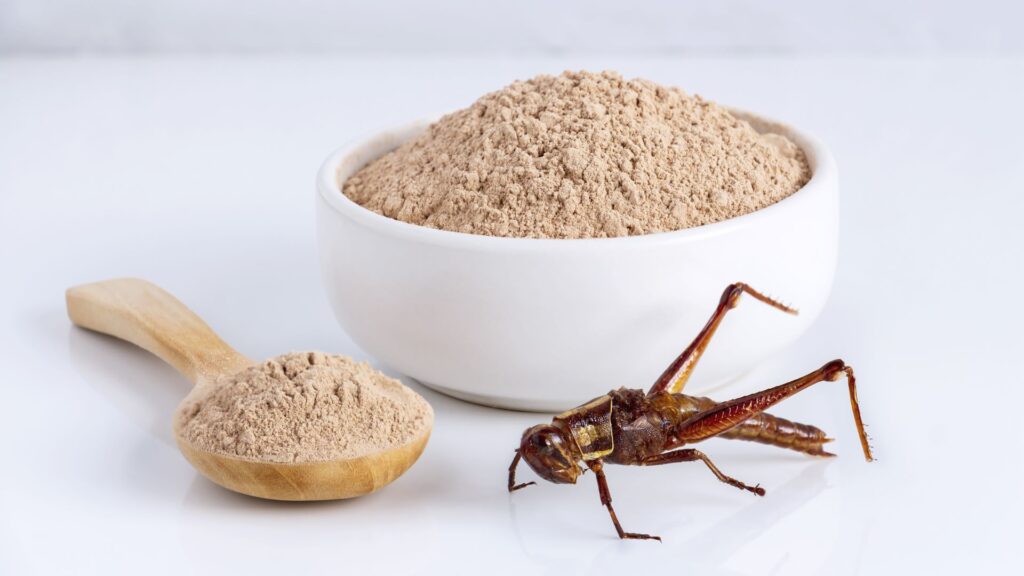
147 316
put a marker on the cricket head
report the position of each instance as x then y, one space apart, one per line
548 453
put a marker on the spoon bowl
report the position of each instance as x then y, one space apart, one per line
147 316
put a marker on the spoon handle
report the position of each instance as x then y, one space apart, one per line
147 316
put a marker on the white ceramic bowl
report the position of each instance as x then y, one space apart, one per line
547 324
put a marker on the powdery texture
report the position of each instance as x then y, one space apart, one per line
305 407
581 155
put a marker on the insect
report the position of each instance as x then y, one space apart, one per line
630 427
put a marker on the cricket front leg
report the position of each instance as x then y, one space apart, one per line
606 499
678 372
692 455
512 486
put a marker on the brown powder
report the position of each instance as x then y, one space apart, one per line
581 155
305 407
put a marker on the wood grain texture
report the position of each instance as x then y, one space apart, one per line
144 314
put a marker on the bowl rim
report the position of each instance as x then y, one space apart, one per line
329 190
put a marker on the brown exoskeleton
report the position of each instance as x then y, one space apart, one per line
630 427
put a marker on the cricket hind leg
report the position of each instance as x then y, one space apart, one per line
726 416
678 372
692 455
763 428
606 500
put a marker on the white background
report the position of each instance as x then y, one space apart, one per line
528 26
196 171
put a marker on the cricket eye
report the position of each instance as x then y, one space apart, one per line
549 441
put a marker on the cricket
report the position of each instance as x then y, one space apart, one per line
634 428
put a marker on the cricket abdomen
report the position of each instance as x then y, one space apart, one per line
775 431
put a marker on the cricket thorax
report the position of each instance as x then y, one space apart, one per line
590 426
642 424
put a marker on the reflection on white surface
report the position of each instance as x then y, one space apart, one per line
727 538
139 385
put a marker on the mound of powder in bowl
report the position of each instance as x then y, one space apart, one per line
581 155
305 407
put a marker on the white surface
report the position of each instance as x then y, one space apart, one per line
535 26
198 176
537 324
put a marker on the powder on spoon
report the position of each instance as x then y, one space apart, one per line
581 155
305 407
